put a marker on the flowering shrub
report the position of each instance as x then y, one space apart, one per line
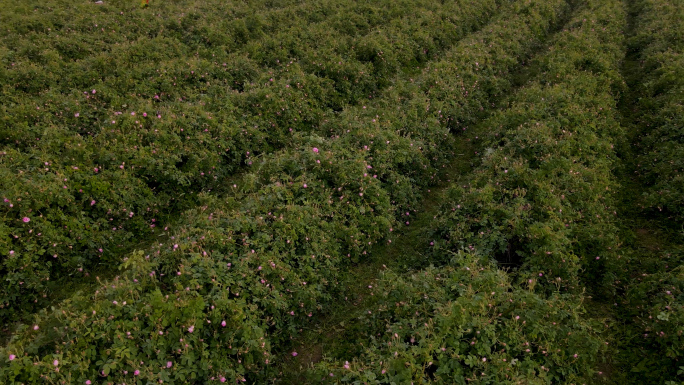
651 307
264 257
652 312
468 321
114 119
541 198
660 51
463 323
285 140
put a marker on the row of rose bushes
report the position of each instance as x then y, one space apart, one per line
100 148
651 300
658 41
467 323
650 309
249 269
541 199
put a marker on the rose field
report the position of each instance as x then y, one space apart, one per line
342 192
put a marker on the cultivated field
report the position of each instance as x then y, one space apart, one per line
342 192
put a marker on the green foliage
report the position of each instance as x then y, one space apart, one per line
652 310
542 199
284 140
467 323
651 305
660 48
114 118
268 252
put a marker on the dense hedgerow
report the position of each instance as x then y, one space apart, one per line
651 302
469 321
659 42
114 118
651 308
542 197
472 75
266 257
